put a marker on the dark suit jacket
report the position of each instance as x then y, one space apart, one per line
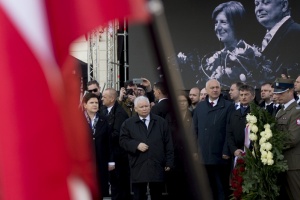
283 50
236 130
115 119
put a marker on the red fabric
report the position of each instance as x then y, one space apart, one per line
43 140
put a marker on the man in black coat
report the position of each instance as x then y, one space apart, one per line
266 93
237 122
119 168
281 43
210 120
148 142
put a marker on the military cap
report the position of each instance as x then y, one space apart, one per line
281 85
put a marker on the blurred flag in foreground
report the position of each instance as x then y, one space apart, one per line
44 149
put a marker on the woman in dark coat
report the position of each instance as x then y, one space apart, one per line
98 128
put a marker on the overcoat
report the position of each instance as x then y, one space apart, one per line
210 129
147 166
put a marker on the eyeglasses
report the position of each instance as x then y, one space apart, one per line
93 90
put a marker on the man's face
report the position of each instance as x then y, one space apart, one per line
269 12
94 89
107 99
246 97
284 97
142 108
213 89
134 88
297 85
194 95
140 92
156 93
234 93
203 94
266 92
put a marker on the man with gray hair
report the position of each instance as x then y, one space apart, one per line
210 121
281 43
147 140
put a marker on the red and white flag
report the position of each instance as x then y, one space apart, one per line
43 143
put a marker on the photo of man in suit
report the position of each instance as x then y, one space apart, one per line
281 43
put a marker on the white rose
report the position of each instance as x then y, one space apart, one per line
267 130
268 146
270 155
267 126
262 140
253 119
264 154
268 135
262 134
264 161
253 137
248 117
254 129
270 162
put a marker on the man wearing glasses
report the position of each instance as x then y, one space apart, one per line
94 87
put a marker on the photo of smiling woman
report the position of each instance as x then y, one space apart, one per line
236 60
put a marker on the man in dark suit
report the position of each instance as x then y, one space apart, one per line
162 107
210 120
148 142
237 122
266 93
119 176
281 43
288 120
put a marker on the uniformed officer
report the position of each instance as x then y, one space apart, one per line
288 119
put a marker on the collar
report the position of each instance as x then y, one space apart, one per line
277 26
147 118
288 103
215 101
161 99
109 109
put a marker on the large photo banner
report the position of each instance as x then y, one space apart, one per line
250 41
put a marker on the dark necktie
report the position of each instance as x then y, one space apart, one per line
212 104
144 120
243 109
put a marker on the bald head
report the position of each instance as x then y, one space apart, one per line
213 89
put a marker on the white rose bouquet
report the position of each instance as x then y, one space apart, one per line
264 160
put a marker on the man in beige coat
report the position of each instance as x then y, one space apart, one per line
288 119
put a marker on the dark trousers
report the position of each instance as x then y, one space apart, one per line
140 190
119 180
218 176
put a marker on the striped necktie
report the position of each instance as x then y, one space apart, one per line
265 41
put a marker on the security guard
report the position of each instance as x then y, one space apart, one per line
288 119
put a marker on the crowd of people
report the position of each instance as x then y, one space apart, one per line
136 137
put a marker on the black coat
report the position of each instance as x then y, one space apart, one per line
147 166
102 152
115 118
269 108
210 129
236 130
283 49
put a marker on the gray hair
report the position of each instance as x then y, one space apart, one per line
139 99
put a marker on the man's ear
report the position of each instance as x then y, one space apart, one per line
285 5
